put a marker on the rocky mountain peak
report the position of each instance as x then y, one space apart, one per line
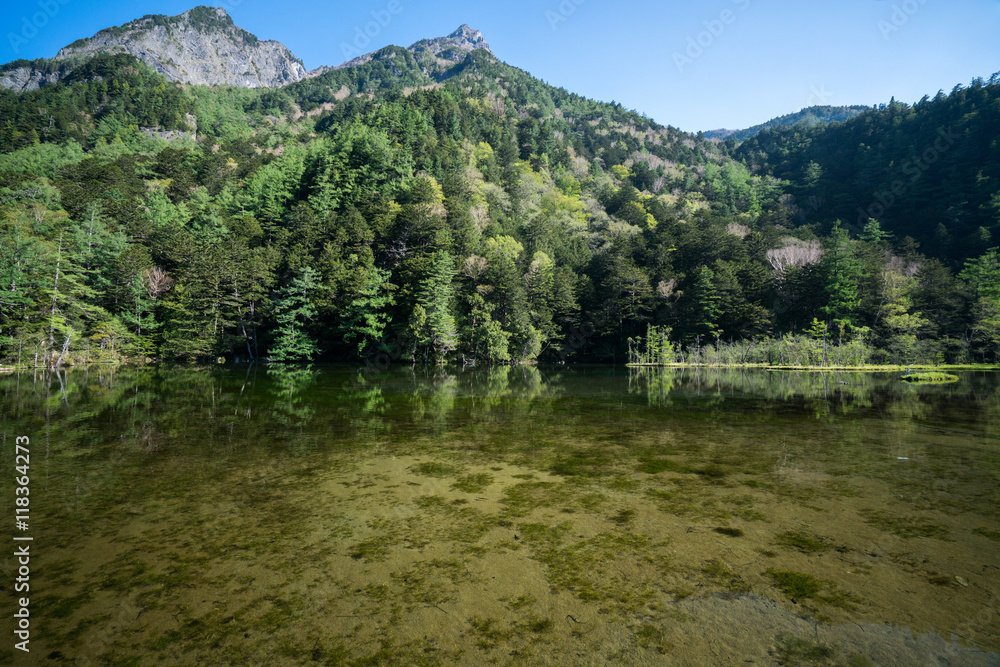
434 55
468 38
452 48
203 46
199 46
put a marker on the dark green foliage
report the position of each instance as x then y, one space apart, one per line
930 170
106 98
807 117
294 312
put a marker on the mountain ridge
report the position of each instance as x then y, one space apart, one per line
200 46
807 116
203 46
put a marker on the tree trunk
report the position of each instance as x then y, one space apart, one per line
64 349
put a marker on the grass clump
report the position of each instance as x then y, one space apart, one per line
988 534
522 601
725 576
583 463
488 634
795 651
435 469
539 625
800 586
712 471
807 544
473 483
906 527
796 585
373 550
651 637
624 517
521 499
653 466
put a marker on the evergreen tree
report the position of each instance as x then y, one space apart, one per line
983 276
703 308
842 273
293 311
365 319
434 325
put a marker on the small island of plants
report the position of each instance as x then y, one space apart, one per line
930 376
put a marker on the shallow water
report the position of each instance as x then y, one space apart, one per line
589 515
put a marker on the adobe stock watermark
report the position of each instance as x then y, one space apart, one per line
363 35
30 25
915 169
972 625
901 15
562 13
819 96
714 28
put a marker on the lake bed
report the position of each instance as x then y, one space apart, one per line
509 515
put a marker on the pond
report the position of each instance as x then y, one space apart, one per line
510 515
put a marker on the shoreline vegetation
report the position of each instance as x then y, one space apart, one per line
915 372
803 352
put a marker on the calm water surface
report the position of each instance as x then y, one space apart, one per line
593 515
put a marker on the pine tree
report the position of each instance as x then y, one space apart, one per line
293 312
366 319
704 309
436 328
842 271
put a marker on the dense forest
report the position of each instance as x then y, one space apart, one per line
400 210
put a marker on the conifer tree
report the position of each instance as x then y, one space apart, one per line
294 311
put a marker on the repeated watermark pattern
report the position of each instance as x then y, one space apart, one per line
901 15
364 34
914 169
31 24
562 12
705 39
819 96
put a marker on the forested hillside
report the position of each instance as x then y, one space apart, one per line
472 213
808 117
930 171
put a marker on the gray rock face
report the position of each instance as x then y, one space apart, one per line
433 54
200 46
203 46
27 78
454 47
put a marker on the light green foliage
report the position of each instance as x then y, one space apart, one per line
41 159
983 275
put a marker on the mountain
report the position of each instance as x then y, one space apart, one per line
436 204
815 115
438 54
201 46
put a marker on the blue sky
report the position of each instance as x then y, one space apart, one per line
696 66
